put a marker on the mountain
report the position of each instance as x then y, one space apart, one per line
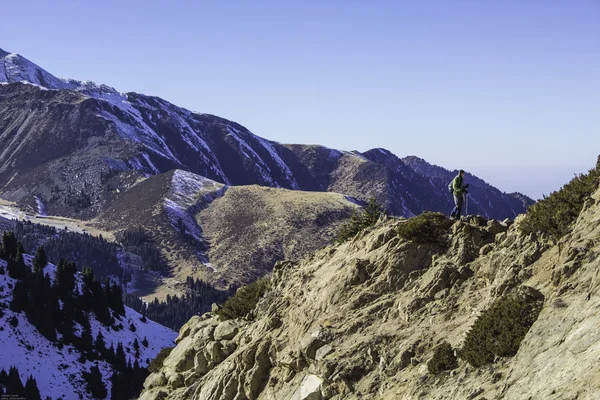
225 235
419 308
60 364
484 199
71 147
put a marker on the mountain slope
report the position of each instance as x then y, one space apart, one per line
220 234
24 347
364 319
100 142
484 199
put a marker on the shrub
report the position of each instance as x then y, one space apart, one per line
499 330
443 359
244 300
156 364
556 213
425 228
360 220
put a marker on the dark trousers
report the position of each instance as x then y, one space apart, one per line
458 200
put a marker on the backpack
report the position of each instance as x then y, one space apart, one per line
450 188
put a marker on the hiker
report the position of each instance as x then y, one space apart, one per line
458 190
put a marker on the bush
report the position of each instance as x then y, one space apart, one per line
425 228
156 364
499 330
556 213
244 300
443 359
360 220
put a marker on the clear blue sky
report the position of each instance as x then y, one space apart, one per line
507 89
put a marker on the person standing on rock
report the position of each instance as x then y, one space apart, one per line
458 190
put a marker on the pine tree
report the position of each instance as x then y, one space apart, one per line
14 385
31 389
110 354
116 299
120 359
20 298
95 386
9 245
100 346
145 342
87 341
3 377
40 260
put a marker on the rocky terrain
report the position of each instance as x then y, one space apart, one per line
361 320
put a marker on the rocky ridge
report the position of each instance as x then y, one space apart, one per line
361 319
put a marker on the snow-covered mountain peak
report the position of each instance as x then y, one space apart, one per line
16 68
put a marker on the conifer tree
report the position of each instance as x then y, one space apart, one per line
40 260
31 389
3 377
9 245
99 345
95 385
14 385
20 298
120 359
145 342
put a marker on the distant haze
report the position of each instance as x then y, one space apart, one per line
507 89
534 181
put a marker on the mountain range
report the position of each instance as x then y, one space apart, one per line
116 160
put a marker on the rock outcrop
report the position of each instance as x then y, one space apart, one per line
360 320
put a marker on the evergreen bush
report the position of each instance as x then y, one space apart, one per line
360 220
443 359
425 228
245 299
156 364
555 214
499 330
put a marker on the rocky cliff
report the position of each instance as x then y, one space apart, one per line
363 319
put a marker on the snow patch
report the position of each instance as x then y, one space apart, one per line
41 207
25 348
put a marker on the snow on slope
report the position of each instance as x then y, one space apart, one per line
135 120
186 192
58 371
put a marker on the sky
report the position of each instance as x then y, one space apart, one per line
508 90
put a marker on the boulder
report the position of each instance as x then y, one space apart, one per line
486 249
310 388
181 357
154 380
494 227
226 330
154 394
176 381
213 353
322 352
201 363
310 344
187 328
203 337
227 347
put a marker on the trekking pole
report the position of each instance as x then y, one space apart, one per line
466 195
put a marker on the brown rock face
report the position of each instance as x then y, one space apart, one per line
362 319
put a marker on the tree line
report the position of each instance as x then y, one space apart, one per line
175 311
55 305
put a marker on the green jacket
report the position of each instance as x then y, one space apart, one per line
457 185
